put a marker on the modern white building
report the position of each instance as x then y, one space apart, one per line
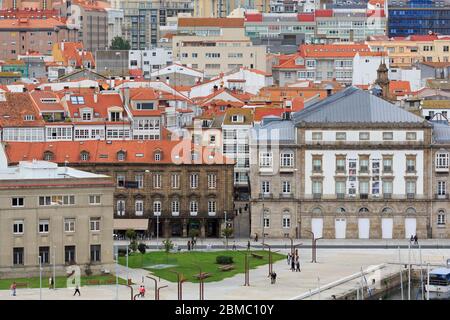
150 60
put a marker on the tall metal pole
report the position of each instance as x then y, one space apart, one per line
409 271
226 225
401 273
263 214
421 274
157 231
127 263
40 277
54 267
117 276
428 281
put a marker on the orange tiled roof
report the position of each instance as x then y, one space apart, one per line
103 152
15 108
104 101
31 24
399 87
332 50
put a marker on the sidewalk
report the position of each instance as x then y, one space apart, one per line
284 243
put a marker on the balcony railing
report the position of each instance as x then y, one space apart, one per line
317 195
363 196
441 196
286 195
410 195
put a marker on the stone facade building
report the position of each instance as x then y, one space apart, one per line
156 185
350 166
60 214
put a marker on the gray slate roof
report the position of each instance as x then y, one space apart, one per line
441 132
279 130
353 105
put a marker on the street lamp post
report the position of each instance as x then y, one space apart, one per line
158 294
54 267
157 231
40 277
156 286
226 225
201 277
246 269
270 258
314 246
127 262
180 281
117 276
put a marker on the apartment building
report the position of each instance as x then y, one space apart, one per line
405 52
162 184
280 31
216 45
27 4
143 18
319 62
223 8
60 215
21 35
150 60
343 168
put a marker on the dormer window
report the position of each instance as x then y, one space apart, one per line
77 100
86 115
84 156
237 118
145 106
48 156
299 61
28 117
121 155
157 156
194 156
205 123
114 116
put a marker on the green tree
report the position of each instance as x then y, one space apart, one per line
193 233
168 245
131 234
142 249
227 232
119 43
133 245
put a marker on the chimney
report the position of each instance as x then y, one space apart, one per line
95 97
168 80
126 96
62 46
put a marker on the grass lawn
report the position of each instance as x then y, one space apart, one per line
60 281
184 263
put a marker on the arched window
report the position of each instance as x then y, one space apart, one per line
340 210
286 222
121 155
441 218
48 156
317 211
84 155
387 210
410 210
363 210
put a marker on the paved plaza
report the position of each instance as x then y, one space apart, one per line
334 265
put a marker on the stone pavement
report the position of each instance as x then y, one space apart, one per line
333 265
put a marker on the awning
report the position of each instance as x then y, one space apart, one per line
134 224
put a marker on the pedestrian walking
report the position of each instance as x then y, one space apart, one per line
50 282
77 290
189 245
411 239
142 291
274 277
288 258
292 265
13 288
248 245
256 237
234 245
416 240
298 266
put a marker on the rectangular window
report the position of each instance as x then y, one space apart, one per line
120 181
157 208
17 202
388 135
175 207
265 159
96 253
18 256
18 226
441 188
265 187
286 188
175 181
364 165
193 180
266 222
69 225
120 207
363 187
157 181
340 187
95 224
317 136
139 178
44 226
410 165
387 187
364 136
139 207
69 254
317 165
94 199
212 181
340 165
287 160
211 207
411 136
193 207
387 165
341 136
57 200
317 187
44 253
442 160
286 222
410 187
